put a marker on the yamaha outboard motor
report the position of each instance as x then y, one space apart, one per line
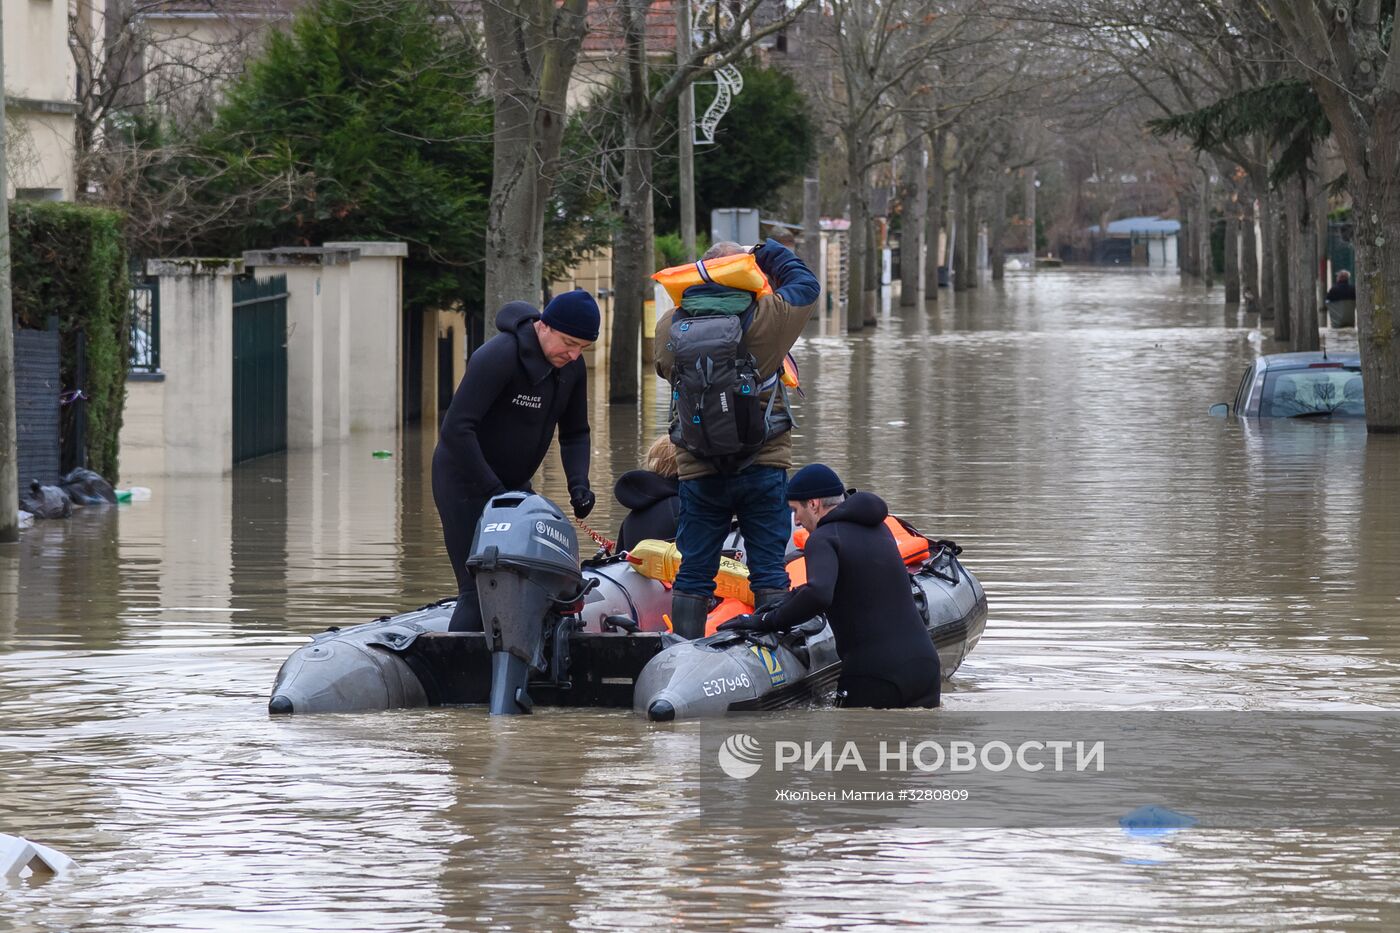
525 558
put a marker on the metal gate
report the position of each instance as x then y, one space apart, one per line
37 392
259 366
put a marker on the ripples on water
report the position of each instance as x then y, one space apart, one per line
1136 554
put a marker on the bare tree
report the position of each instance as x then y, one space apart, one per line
883 50
138 59
532 47
732 34
1347 51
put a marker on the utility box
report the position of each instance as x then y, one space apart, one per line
739 224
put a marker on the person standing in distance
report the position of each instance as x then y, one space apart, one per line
519 385
726 345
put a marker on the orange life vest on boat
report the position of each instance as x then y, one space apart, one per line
913 547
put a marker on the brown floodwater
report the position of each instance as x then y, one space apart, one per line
1137 554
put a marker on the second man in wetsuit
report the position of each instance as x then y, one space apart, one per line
856 576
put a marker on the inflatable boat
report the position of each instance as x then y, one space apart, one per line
561 633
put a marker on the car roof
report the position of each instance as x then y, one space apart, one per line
1275 361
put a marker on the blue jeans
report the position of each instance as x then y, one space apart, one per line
758 498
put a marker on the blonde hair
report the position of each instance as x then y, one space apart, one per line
661 457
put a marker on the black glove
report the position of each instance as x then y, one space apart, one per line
749 622
582 499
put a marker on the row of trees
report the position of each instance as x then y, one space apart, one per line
1291 108
1262 113
412 120
467 136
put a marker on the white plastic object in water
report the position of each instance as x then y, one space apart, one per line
18 855
140 494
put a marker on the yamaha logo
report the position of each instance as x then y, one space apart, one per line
549 531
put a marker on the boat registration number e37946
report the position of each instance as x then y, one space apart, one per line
714 688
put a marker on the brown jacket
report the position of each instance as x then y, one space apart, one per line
775 328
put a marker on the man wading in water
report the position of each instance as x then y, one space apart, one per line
519 385
855 575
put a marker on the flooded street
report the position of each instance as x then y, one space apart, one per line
1137 554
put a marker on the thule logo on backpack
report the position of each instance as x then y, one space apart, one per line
724 401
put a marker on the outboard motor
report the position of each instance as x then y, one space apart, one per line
525 559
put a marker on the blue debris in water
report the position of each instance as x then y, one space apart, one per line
1153 820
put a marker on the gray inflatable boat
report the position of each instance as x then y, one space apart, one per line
561 634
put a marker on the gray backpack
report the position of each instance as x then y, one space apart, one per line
718 412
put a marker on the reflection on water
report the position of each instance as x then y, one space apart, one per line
1136 554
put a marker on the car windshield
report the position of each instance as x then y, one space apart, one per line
1301 393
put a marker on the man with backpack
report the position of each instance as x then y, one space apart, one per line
722 351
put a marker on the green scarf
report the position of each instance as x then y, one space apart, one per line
734 303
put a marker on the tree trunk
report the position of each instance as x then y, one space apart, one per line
1319 225
1030 214
631 268
1268 278
685 106
858 234
1283 262
974 238
632 245
874 266
1378 293
911 237
529 97
1186 238
998 244
810 248
9 436
1204 227
1232 254
953 197
934 222
961 267
1249 256
1303 332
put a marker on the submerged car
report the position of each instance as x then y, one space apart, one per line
1299 385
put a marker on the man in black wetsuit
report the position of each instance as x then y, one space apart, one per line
519 385
856 575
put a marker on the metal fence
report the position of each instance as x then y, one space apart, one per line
144 347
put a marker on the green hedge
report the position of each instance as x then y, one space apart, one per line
69 261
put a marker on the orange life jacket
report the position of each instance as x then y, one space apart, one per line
913 547
739 271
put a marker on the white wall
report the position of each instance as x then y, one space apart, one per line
375 333
41 84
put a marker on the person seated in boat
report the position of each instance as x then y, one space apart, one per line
653 496
856 576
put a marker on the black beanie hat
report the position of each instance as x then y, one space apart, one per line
574 313
814 481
